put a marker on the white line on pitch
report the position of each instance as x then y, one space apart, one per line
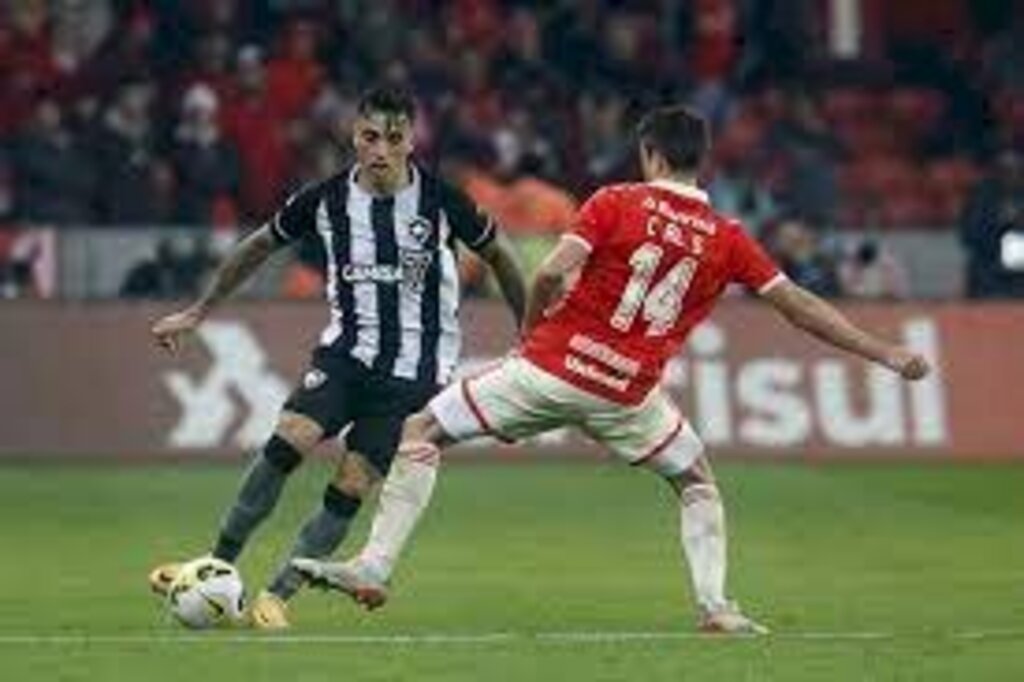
439 639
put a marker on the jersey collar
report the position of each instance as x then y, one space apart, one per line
688 191
412 187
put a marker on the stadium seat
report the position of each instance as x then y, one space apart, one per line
881 174
739 138
870 137
950 181
908 208
848 104
917 111
887 190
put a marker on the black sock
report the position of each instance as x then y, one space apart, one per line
257 497
319 537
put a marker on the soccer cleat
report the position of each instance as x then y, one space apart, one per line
353 577
269 612
161 577
729 620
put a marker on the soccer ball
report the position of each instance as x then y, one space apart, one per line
207 593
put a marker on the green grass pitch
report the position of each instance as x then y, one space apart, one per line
537 572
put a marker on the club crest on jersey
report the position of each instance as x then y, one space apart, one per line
420 230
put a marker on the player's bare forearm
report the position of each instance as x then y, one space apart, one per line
549 282
820 319
544 292
501 257
171 330
244 259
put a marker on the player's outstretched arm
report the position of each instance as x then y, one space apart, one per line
244 259
817 317
566 258
500 255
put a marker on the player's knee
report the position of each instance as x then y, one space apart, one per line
416 426
420 452
294 437
681 460
423 427
301 432
340 502
697 481
355 476
282 454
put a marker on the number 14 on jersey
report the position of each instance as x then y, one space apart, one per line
662 302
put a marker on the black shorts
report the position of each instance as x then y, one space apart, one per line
338 390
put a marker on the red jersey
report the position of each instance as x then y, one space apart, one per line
660 259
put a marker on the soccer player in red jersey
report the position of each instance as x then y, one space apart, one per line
647 262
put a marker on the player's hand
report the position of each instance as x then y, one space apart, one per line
908 364
171 331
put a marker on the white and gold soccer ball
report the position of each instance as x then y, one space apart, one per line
207 593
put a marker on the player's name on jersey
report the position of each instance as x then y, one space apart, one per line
374 272
665 210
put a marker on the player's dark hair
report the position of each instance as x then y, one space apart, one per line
388 100
678 133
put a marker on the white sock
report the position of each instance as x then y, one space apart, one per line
403 498
702 520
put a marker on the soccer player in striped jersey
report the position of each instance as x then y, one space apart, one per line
648 260
388 230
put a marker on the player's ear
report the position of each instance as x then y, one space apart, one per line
410 137
646 159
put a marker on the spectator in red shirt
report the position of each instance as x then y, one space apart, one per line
26 61
715 41
258 128
294 77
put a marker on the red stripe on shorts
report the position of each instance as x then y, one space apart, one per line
477 412
474 408
660 446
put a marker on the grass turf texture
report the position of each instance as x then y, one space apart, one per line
872 572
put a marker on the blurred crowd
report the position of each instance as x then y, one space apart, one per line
209 112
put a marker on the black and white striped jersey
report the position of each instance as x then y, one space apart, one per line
391 276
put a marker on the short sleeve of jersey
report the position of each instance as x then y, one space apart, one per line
470 224
751 265
596 218
297 218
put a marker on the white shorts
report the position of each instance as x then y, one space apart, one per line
516 399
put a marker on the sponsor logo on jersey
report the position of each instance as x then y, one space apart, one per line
373 272
596 374
605 354
411 271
